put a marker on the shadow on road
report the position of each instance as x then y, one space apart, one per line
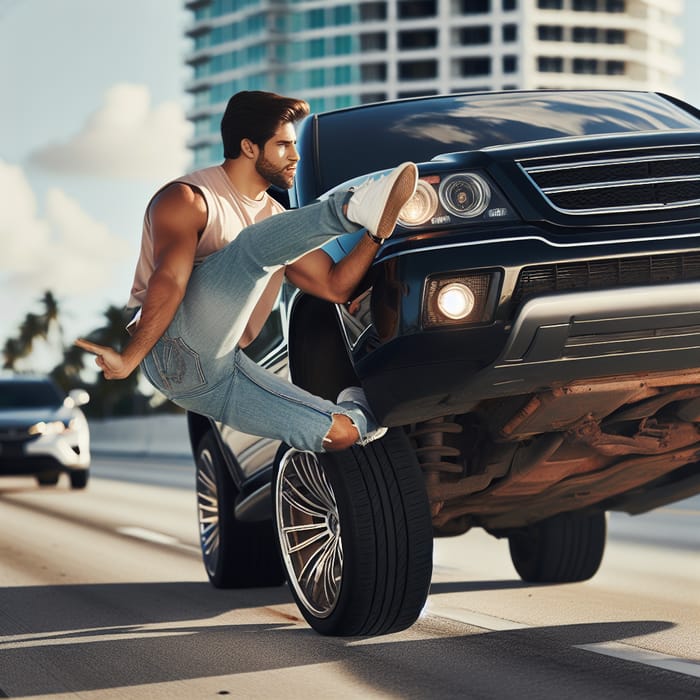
119 635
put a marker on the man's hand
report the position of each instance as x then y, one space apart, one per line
108 360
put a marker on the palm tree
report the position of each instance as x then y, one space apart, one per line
12 352
51 314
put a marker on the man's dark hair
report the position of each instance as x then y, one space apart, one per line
257 115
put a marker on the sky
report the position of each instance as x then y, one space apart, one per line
93 122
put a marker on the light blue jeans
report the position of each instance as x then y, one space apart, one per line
197 364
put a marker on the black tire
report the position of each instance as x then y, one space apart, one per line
355 535
79 478
235 554
563 549
47 478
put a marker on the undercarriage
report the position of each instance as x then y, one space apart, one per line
612 443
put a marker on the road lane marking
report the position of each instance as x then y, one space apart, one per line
620 650
643 656
141 533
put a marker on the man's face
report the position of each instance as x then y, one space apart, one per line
277 160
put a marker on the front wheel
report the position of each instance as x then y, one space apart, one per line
562 549
355 534
236 554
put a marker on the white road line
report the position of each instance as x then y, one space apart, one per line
141 533
688 667
643 656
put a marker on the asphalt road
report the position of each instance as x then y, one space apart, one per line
103 595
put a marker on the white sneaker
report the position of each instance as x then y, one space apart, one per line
376 204
354 394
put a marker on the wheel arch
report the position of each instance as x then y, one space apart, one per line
318 357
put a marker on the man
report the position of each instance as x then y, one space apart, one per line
214 251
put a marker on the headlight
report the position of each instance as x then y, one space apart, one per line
421 207
465 195
51 428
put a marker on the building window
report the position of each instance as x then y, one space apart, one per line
342 45
419 39
550 4
615 6
510 64
509 32
373 42
414 9
550 64
587 66
368 97
342 75
510 5
473 88
372 72
416 93
468 36
550 32
467 67
585 6
615 36
317 48
315 19
585 35
470 7
418 70
342 15
615 67
372 11
316 77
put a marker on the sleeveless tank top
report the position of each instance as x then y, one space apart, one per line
228 212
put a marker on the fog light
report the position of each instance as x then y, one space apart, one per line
456 301
459 299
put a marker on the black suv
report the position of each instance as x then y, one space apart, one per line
530 334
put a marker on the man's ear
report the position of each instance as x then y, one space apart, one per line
248 148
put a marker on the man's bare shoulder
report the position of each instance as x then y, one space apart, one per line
179 201
179 194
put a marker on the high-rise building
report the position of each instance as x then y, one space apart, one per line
337 53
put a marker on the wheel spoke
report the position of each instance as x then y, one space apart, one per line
299 501
208 509
309 531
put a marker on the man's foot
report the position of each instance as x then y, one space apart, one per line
354 394
376 204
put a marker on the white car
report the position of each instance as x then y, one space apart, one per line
43 432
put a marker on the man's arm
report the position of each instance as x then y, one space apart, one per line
317 274
177 215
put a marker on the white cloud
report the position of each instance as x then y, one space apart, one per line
127 137
65 250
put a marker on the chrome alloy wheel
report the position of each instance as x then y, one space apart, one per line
208 511
309 531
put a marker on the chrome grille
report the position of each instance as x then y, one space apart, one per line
605 183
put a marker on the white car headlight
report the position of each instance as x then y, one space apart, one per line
55 427
465 195
421 207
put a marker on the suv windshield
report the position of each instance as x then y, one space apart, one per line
376 137
29 394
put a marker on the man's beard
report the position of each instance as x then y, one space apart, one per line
276 177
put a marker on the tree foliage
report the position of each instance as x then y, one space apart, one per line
107 398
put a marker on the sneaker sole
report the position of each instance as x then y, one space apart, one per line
401 192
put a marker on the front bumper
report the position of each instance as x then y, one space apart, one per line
552 341
45 453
